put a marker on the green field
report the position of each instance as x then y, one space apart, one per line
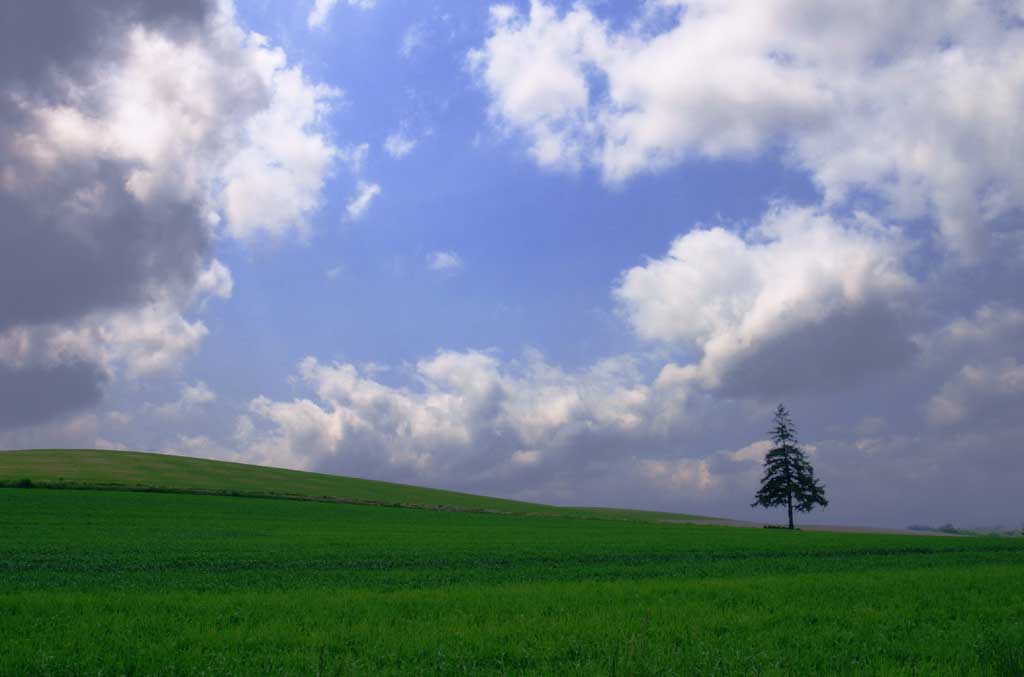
132 470
132 582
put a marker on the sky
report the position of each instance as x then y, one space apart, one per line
565 252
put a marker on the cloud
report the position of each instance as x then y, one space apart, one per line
976 390
319 12
321 9
72 431
444 262
135 342
801 300
982 365
398 144
414 38
684 474
914 104
218 122
131 136
754 452
467 409
36 394
215 282
355 157
357 206
193 398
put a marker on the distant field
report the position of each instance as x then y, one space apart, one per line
112 582
136 470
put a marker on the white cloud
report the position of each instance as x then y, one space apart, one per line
414 37
358 205
444 261
220 118
355 157
731 296
468 406
398 144
689 474
915 103
754 452
152 339
321 9
216 281
319 12
138 342
193 397
196 395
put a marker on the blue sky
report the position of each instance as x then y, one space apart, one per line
540 250
563 252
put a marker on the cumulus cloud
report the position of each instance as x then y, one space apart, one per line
215 282
131 136
444 261
218 121
916 104
800 300
461 411
365 194
193 397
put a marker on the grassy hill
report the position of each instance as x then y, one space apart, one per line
91 468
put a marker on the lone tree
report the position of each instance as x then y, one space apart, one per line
788 476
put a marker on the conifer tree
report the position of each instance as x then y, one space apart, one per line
788 476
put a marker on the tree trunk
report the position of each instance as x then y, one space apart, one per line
790 502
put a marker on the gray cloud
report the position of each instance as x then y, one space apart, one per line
61 260
43 41
37 394
851 346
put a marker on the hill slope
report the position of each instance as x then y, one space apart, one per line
162 472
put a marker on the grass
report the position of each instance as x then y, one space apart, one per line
138 471
115 582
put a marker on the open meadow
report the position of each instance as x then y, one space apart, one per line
135 582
